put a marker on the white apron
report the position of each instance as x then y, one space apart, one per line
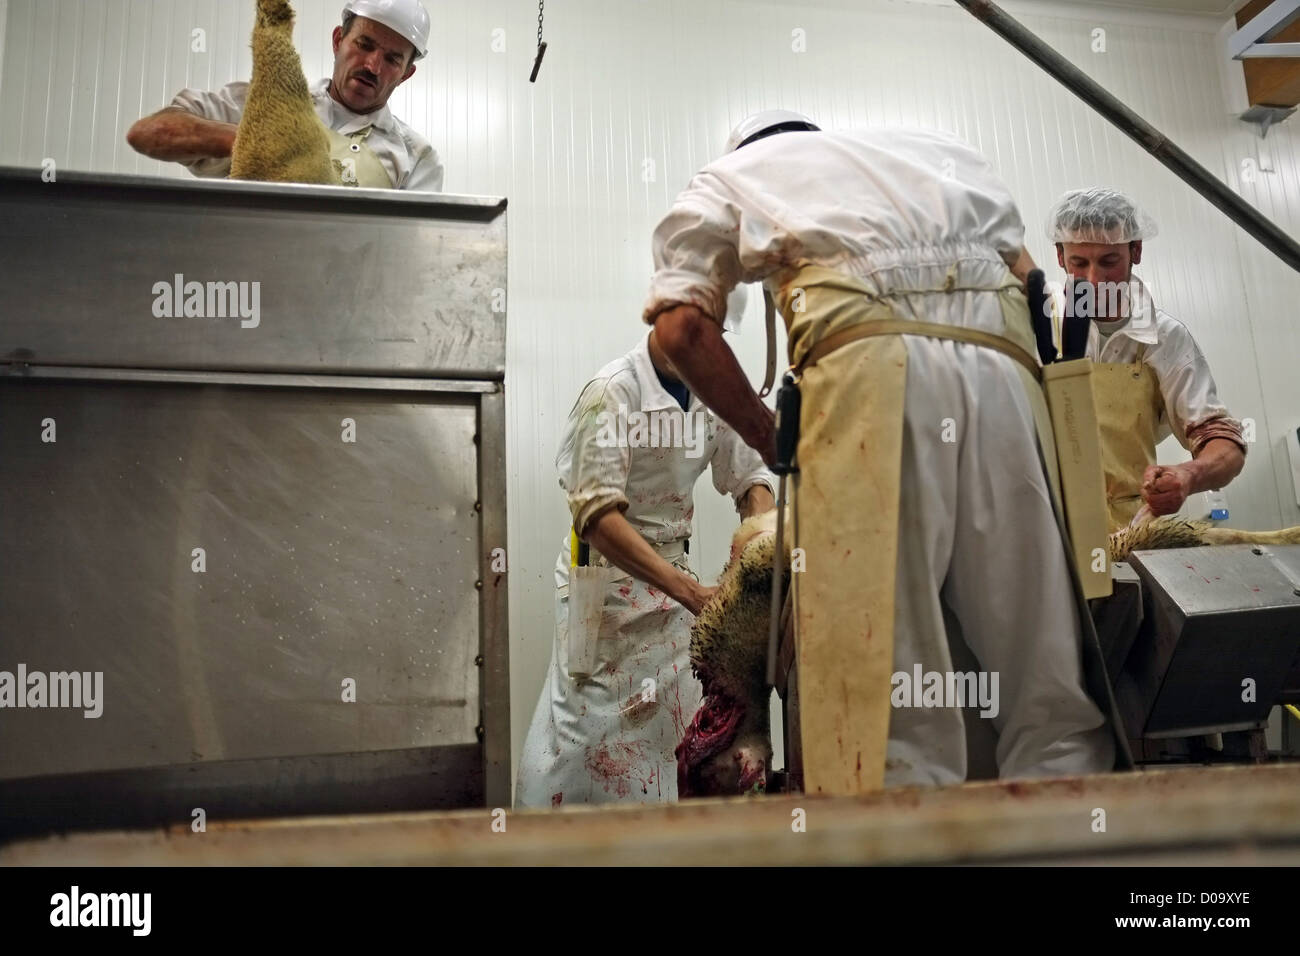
610 737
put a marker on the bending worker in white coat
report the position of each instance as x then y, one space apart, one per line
375 51
1150 379
920 484
635 443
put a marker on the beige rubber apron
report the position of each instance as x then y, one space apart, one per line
355 163
854 550
1129 404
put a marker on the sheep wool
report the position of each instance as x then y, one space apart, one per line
727 748
1174 532
280 137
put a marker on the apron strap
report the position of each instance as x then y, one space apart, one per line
934 330
769 321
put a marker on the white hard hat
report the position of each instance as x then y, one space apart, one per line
407 17
766 122
1098 215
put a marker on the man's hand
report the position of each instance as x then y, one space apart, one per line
697 596
1021 263
1165 488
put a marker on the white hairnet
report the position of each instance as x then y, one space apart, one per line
1098 215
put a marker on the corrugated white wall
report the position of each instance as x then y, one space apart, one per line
4 19
635 95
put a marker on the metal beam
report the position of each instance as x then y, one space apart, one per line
1262 50
1139 130
1275 17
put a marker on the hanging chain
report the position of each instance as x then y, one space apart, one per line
541 44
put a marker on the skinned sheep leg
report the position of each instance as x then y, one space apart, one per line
280 137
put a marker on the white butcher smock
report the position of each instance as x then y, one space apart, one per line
409 160
610 737
921 218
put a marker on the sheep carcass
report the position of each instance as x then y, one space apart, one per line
280 137
1173 532
727 748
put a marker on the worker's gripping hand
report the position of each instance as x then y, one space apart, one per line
697 596
1165 488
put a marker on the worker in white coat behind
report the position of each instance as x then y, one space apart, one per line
635 443
1150 379
920 484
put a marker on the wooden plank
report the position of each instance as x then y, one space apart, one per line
1235 813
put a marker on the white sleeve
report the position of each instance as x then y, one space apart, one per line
592 463
427 174
696 254
1192 405
736 467
225 105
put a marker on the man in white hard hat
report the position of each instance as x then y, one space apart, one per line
1150 380
375 51
894 257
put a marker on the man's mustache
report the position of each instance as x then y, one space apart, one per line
367 76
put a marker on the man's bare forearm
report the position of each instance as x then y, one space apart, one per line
756 501
178 136
693 343
615 538
1220 461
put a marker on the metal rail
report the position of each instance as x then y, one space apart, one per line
1135 127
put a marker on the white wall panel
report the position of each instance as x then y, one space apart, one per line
635 95
4 18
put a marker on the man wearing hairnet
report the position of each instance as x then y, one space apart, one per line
897 260
1150 378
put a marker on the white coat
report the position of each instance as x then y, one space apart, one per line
604 738
408 158
912 211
